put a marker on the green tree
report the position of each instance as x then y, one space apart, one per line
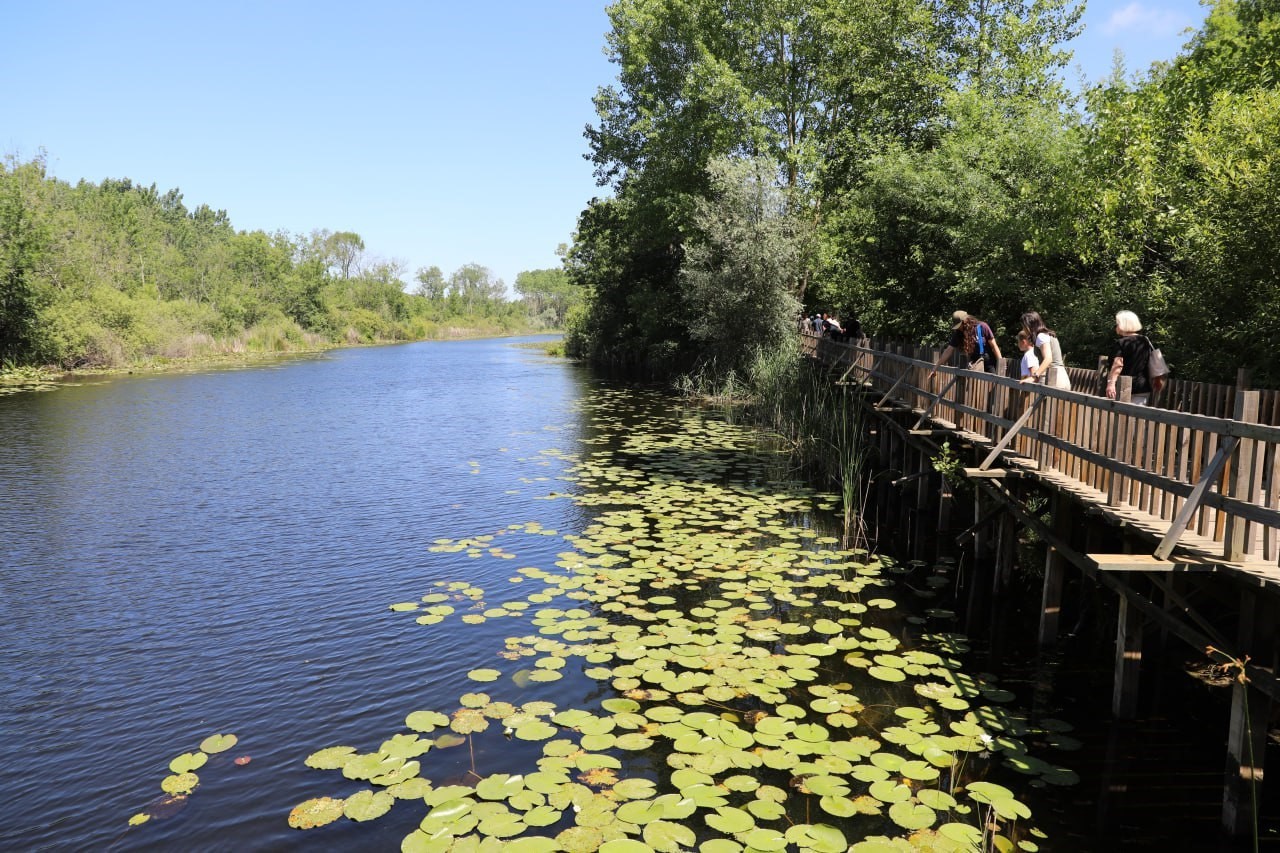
474 287
343 251
970 223
431 283
750 247
549 295
24 261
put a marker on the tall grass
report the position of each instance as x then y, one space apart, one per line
822 421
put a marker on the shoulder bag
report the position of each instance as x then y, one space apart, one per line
1157 369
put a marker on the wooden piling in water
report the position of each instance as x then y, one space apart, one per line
1193 495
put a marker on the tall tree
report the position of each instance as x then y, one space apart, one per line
749 245
344 249
24 258
431 284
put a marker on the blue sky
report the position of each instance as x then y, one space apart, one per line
442 133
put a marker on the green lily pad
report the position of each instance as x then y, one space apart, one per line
214 744
484 675
499 786
912 816
332 758
367 805
426 721
820 838
188 762
315 812
730 820
179 783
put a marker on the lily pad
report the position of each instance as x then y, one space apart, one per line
179 783
188 762
367 805
214 744
315 812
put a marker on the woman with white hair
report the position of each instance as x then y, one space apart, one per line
1130 359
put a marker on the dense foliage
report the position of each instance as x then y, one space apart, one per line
111 274
929 158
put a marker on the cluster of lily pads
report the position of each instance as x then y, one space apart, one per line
182 779
754 685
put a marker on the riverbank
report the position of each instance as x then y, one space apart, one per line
40 378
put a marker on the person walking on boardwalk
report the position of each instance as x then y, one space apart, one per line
1029 361
975 339
1130 358
1052 369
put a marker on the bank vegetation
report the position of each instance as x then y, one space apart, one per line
113 274
896 161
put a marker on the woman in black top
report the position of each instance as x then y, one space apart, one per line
1130 359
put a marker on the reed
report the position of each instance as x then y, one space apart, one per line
822 421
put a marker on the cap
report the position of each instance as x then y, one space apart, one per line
960 317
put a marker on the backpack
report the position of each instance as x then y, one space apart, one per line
988 358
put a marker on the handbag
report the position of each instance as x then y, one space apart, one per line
1157 368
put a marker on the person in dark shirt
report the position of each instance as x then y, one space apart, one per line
1129 358
975 339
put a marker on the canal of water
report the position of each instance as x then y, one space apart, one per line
464 596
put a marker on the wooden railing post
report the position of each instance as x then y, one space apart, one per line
1240 484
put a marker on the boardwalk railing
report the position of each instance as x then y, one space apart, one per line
1205 485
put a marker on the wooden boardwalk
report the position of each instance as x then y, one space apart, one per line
1192 486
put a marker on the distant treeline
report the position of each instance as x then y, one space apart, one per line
112 274
898 161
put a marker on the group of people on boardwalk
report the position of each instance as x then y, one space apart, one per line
1041 358
821 323
1041 353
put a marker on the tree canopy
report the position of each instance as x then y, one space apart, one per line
115 273
932 158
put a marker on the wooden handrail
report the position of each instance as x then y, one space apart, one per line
1204 480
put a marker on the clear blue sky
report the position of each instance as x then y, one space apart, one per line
442 133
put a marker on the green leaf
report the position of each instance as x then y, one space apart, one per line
912 816
730 820
218 743
332 758
187 762
179 783
315 812
367 805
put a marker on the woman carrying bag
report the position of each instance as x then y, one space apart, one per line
1134 356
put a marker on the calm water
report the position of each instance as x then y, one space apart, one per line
186 555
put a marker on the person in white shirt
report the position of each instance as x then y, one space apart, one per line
1029 360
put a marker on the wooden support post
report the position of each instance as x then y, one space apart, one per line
1239 532
1063 512
926 540
979 533
1006 550
1124 696
1250 711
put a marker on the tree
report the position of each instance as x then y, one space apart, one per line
750 246
819 86
474 286
24 255
431 283
344 250
549 295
